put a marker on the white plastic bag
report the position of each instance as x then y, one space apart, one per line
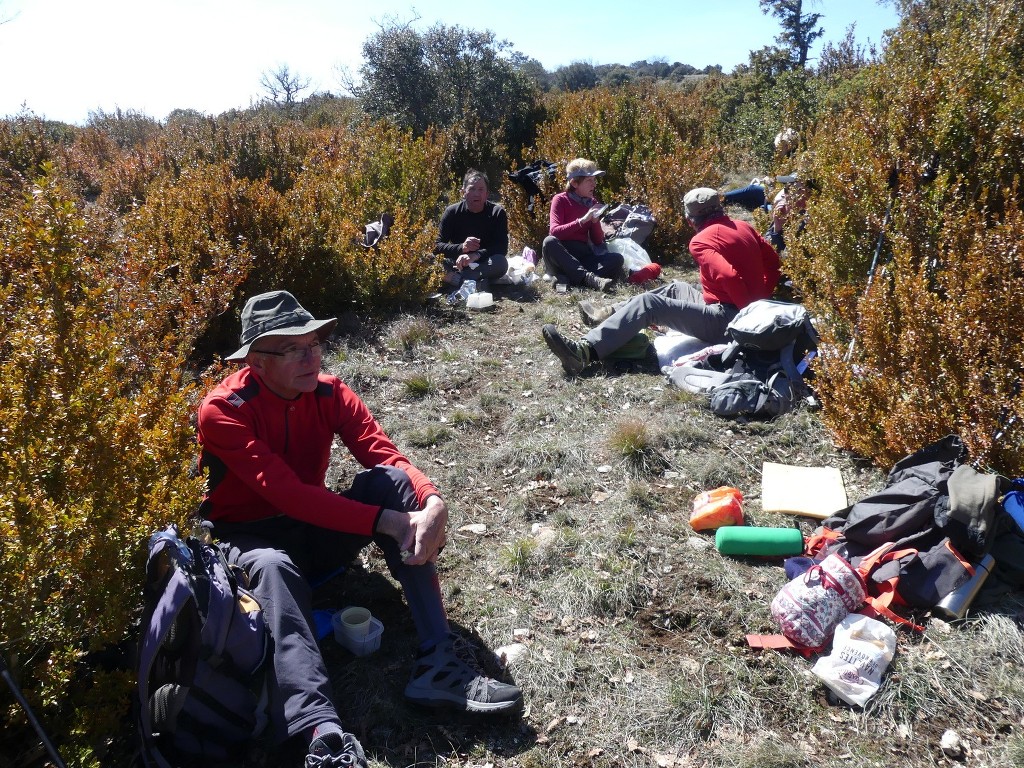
520 272
633 255
861 652
673 345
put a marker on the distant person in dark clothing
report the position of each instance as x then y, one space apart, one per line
750 197
473 237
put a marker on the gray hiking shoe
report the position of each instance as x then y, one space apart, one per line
441 679
603 284
574 355
593 315
336 750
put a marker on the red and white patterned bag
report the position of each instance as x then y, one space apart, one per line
810 607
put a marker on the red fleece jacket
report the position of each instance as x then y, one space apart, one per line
737 265
268 456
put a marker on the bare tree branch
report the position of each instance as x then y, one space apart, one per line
283 86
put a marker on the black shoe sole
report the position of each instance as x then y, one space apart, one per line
510 708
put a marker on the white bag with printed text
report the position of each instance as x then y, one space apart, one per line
861 652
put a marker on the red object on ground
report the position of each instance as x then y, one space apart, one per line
716 508
642 275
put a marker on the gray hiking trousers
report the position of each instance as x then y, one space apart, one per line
678 305
286 559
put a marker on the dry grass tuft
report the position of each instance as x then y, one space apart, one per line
413 332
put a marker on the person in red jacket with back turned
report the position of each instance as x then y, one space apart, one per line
737 266
266 434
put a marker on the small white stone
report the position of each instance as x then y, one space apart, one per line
509 654
951 745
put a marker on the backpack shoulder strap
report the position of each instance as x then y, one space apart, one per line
887 597
157 622
789 366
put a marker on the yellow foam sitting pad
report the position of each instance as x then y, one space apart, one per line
816 492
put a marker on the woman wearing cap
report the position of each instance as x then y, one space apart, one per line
574 248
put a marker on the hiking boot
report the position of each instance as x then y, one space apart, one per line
575 355
441 679
603 284
593 315
336 750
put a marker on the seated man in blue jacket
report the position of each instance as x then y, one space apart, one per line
473 237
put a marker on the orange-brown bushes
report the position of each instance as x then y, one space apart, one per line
93 454
349 181
653 143
936 339
193 252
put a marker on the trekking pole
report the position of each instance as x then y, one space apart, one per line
50 748
892 184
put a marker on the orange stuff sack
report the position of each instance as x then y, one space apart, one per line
716 508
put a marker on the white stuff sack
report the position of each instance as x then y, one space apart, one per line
634 257
861 652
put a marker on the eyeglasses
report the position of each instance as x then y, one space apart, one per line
295 354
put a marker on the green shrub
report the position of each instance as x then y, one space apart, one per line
255 145
93 455
27 145
935 339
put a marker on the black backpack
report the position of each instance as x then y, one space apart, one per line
529 179
763 371
204 655
933 513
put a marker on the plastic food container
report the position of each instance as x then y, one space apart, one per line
480 300
716 508
359 645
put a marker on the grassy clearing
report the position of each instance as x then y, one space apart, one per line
633 624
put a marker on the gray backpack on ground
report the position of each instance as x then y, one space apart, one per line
203 661
633 221
761 372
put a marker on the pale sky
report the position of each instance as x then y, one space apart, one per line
65 58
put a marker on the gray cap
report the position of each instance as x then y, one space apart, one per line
700 202
277 313
583 173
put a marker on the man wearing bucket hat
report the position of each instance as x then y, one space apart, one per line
574 249
266 434
737 266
